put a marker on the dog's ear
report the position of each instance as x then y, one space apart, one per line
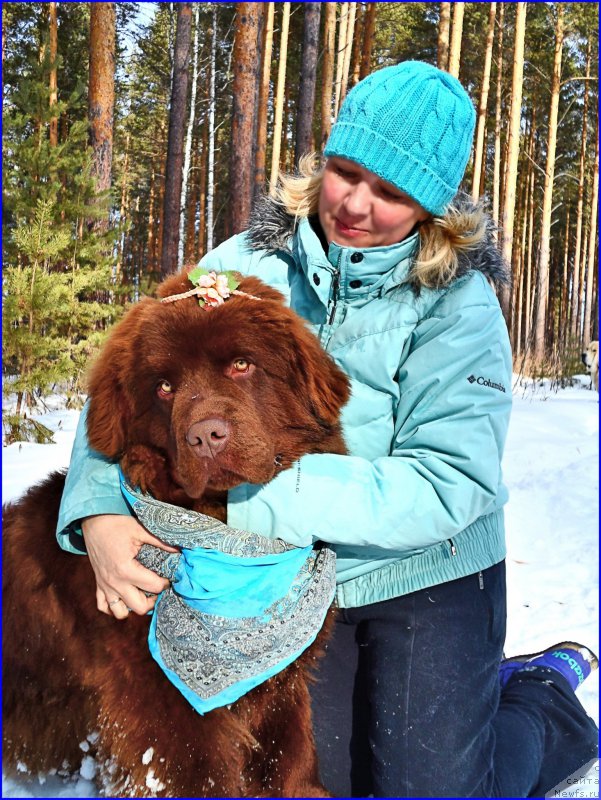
110 407
327 386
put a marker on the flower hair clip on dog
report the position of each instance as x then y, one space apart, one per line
212 288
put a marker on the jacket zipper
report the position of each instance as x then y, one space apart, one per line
453 548
335 289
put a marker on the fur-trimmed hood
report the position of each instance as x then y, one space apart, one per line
271 228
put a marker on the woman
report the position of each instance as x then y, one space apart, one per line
396 275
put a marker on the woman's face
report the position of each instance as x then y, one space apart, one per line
359 209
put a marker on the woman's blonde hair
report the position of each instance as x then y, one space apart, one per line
442 239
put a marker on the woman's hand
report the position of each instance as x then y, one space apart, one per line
113 542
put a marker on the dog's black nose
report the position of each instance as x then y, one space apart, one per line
208 437
583 357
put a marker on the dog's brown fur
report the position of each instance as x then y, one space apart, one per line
70 671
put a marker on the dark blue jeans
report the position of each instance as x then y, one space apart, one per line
407 702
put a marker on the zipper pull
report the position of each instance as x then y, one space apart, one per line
335 287
481 580
453 548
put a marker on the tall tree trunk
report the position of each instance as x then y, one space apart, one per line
327 75
188 147
53 86
263 101
189 235
211 150
306 93
577 281
513 147
150 238
592 245
202 192
530 242
175 144
245 63
496 182
123 210
357 48
564 314
444 26
542 285
346 62
101 95
368 39
342 29
456 34
279 100
483 103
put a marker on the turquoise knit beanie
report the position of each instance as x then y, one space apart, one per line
412 125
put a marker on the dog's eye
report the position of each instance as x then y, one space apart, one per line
239 368
241 365
164 389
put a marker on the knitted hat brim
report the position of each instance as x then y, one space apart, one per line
373 152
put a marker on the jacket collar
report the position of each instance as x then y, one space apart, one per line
360 271
272 229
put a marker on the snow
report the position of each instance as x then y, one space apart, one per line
552 471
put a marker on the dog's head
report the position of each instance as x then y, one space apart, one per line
213 398
590 357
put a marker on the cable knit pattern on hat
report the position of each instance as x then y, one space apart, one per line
412 124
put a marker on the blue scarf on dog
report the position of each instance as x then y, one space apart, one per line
240 607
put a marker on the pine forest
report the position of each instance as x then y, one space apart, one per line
136 137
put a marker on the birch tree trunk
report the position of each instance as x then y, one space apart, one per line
444 25
52 82
308 76
513 147
542 284
348 48
245 63
342 29
211 153
202 189
263 101
327 75
101 95
592 245
456 34
279 101
578 250
368 39
188 148
496 182
175 142
123 209
483 103
530 245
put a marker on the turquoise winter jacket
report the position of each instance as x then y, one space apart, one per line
419 499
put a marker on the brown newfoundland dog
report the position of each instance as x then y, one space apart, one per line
250 373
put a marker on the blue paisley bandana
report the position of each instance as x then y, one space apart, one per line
240 607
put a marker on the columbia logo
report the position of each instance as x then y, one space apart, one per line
485 382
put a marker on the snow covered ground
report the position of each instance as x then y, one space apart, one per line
551 466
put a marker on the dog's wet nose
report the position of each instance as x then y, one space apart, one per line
209 436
